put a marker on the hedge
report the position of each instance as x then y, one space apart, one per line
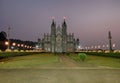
114 55
13 54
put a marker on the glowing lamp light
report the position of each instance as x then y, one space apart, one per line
98 46
13 44
113 45
18 45
95 46
107 45
91 46
30 46
6 43
103 46
25 46
79 47
37 46
22 45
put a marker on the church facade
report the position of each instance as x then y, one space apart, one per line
59 40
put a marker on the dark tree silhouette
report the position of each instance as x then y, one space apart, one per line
3 38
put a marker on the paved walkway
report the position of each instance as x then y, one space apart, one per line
67 61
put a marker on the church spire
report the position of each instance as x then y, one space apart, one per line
64 26
53 27
64 22
53 22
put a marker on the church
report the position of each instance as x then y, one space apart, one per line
59 40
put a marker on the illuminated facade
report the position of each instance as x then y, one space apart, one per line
58 40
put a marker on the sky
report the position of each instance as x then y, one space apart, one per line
89 20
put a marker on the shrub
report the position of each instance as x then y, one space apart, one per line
82 56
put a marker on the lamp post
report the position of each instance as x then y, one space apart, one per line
99 46
114 45
110 42
8 38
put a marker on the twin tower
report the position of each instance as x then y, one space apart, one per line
59 40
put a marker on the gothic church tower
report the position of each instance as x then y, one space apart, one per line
59 40
64 36
53 36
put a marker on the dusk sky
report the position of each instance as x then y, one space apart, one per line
89 20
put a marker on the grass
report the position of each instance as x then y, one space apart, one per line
104 61
28 61
48 59
99 61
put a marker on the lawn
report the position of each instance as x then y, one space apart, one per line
28 61
98 61
49 59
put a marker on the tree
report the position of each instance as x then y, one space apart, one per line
3 38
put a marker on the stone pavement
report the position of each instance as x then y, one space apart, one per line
59 75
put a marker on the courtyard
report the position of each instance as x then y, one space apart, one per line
59 68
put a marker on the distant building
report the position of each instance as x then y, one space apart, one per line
59 40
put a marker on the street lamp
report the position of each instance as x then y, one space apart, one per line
79 47
8 38
18 45
114 45
98 46
7 43
107 45
25 46
95 47
13 44
103 46
22 45
92 47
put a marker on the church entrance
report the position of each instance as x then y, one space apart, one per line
59 43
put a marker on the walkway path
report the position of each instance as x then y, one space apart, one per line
67 61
